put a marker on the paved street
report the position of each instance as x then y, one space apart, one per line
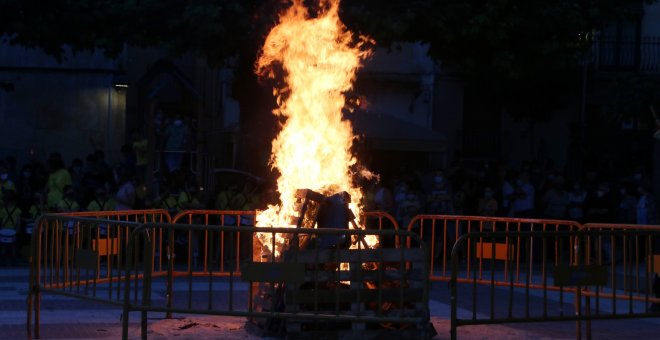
66 318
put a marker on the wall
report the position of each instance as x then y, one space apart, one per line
399 81
651 20
547 140
63 107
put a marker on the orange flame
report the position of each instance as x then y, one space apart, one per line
320 58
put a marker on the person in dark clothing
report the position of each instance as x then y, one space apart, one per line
600 207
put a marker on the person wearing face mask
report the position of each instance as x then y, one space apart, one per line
600 207
487 203
522 204
576 199
5 183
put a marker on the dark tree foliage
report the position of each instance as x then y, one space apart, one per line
526 53
216 29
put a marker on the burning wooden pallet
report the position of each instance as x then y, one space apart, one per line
384 283
327 278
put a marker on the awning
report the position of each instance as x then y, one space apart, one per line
385 132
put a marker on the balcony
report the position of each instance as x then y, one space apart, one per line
633 55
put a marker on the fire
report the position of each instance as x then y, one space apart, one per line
319 58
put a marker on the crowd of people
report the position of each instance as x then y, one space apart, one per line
40 187
533 190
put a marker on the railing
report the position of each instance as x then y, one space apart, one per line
627 55
560 294
397 278
440 232
84 255
631 254
79 257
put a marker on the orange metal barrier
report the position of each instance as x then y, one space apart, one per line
198 260
140 216
80 256
380 220
84 254
440 232
211 249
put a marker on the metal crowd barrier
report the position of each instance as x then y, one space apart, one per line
556 280
398 278
196 260
81 255
442 231
137 216
631 254
85 255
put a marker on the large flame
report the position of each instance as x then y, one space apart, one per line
318 58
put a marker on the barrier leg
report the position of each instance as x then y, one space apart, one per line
587 312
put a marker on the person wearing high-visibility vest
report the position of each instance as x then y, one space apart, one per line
188 199
101 202
167 200
59 178
6 184
68 202
10 218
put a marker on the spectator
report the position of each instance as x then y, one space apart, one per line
522 203
410 208
599 205
167 200
101 202
401 190
225 197
646 206
37 207
10 217
382 199
27 186
104 170
555 199
59 179
11 164
125 196
440 199
141 149
488 204
92 179
176 136
68 202
6 184
189 198
127 163
627 208
508 190
576 200
76 172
